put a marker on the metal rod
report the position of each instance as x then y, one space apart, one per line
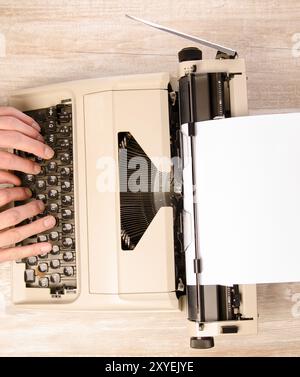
225 50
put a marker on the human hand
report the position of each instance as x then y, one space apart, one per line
19 131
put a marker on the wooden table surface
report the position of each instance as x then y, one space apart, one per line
49 42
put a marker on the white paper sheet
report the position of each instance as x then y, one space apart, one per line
248 199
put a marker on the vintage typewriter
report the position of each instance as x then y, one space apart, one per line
121 249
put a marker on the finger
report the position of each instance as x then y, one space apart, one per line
20 252
8 195
15 124
15 235
13 216
16 140
10 161
6 177
11 111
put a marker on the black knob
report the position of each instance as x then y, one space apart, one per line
189 53
202 343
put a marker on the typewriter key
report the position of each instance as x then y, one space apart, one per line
51 126
66 186
65 172
65 158
53 194
54 236
65 130
68 271
43 267
42 238
51 112
43 256
41 184
64 143
64 116
67 228
67 214
53 207
55 263
67 242
42 197
52 180
29 276
55 278
32 261
29 179
52 166
55 249
44 282
66 200
51 139
68 256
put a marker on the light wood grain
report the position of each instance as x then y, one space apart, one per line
55 41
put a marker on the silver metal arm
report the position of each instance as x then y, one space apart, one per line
192 38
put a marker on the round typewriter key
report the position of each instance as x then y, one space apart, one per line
51 126
67 228
67 200
65 130
43 267
67 214
32 261
65 172
42 238
68 256
54 236
55 278
53 194
69 271
42 197
43 256
41 184
66 186
65 158
44 282
52 180
55 249
29 179
67 242
52 166
55 263
29 276
53 208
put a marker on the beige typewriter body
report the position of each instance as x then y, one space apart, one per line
110 278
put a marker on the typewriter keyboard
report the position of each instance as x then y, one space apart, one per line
55 186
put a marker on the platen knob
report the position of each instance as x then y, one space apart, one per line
189 53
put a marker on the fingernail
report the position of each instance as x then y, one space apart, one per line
49 221
36 126
49 152
37 168
28 192
41 205
45 248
